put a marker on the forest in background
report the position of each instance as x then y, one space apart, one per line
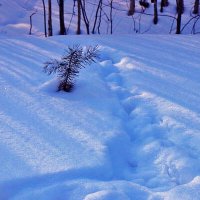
96 17
71 17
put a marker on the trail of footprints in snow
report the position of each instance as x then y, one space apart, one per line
140 113
130 101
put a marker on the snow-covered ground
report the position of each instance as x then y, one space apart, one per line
129 130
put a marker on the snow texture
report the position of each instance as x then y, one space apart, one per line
129 130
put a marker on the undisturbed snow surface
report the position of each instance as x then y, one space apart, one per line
129 130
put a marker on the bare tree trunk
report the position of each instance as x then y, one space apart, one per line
61 17
78 32
164 3
44 14
196 7
96 15
161 6
155 19
85 18
100 15
111 19
180 6
50 29
31 25
131 7
178 27
180 12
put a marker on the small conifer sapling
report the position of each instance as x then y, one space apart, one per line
68 67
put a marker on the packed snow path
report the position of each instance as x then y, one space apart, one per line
129 130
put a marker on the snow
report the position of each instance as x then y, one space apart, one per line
129 129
